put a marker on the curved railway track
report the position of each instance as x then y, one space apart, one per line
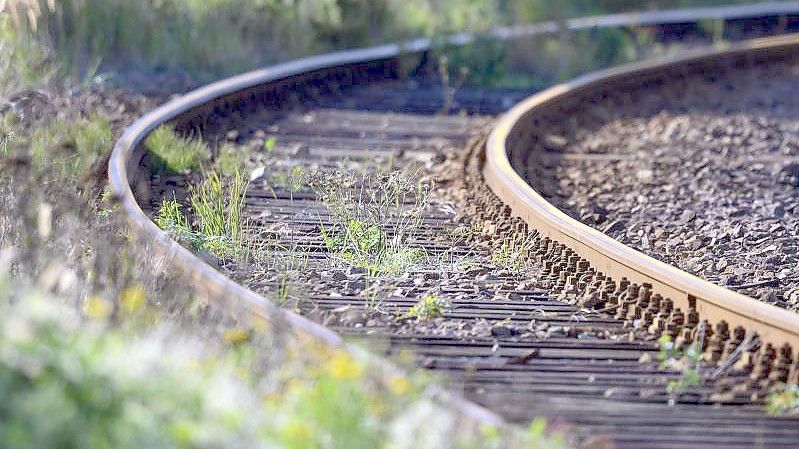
518 347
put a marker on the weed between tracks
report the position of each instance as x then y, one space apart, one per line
686 361
373 217
217 206
514 253
429 307
784 400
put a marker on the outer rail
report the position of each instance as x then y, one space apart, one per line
278 86
513 139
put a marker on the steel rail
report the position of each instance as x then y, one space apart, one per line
511 138
129 168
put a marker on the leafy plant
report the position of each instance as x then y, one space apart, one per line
784 400
174 153
429 307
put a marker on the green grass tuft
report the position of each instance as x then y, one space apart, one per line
218 207
174 153
170 218
71 147
514 253
428 308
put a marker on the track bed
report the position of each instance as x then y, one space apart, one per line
510 338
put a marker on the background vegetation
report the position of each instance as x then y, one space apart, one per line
80 39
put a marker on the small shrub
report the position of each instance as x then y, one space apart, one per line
429 307
784 400
176 154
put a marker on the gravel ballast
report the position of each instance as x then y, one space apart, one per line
702 174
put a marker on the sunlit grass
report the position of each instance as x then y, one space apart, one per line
217 205
71 147
429 307
174 153
373 218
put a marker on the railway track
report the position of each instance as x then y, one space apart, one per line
519 340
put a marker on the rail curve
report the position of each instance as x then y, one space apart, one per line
514 138
217 106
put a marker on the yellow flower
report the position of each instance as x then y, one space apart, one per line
399 385
97 308
299 432
236 336
342 366
132 299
